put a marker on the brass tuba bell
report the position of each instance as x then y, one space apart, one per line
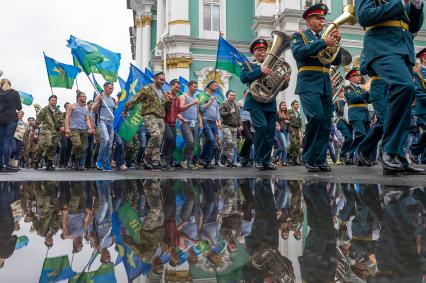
328 55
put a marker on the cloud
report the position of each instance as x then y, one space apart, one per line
30 27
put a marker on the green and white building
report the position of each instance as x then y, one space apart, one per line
180 36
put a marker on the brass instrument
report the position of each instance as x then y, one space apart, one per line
329 54
337 81
265 89
343 265
276 265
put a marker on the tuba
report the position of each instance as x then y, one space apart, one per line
265 89
329 54
274 264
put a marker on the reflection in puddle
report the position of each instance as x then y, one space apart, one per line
234 230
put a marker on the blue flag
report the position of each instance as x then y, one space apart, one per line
149 74
26 98
133 265
122 83
60 74
95 59
135 82
183 85
229 58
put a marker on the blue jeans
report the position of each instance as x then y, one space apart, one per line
89 150
210 133
6 137
282 140
119 151
106 130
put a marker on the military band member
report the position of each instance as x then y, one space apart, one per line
358 114
263 115
153 100
420 75
388 46
51 122
344 127
314 87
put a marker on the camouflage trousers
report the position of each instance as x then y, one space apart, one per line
155 126
229 142
79 143
29 149
155 216
46 146
294 148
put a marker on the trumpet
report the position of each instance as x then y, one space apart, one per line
329 54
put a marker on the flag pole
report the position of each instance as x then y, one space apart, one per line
76 83
97 93
51 89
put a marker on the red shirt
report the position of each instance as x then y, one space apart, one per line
172 111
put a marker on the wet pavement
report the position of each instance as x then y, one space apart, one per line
266 229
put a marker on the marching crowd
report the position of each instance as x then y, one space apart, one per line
215 135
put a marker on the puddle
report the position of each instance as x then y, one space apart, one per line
235 230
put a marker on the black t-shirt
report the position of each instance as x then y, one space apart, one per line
10 102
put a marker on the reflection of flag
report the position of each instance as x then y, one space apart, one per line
56 269
133 265
59 74
129 219
127 127
105 273
229 58
21 242
94 58
26 98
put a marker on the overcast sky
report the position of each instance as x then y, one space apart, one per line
30 27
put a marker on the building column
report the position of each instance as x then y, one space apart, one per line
177 51
138 34
161 22
146 40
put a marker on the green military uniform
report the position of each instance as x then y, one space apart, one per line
131 149
230 122
30 144
47 209
49 123
314 88
263 115
295 128
153 112
389 46
358 114
345 128
419 147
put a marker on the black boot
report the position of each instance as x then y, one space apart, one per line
49 165
76 164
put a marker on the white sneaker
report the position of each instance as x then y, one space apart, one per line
123 167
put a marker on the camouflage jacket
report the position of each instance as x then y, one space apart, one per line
295 122
150 103
45 122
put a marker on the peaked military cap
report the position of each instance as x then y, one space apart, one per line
421 53
258 43
353 71
318 10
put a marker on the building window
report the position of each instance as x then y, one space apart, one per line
309 3
211 15
212 18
